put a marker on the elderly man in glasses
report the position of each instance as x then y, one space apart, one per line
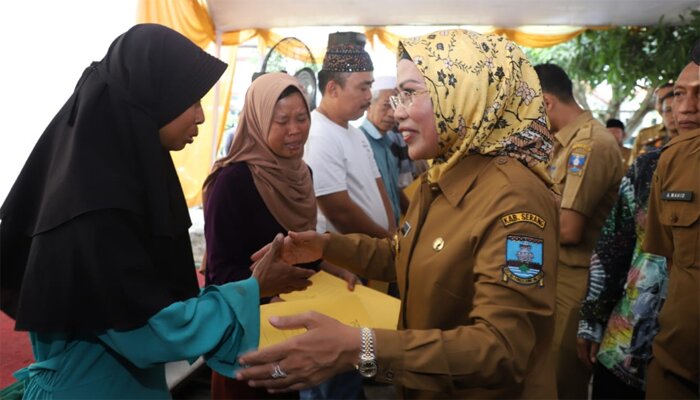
378 126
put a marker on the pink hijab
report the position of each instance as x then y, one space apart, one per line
285 185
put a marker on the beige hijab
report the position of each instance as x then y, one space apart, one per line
285 185
487 99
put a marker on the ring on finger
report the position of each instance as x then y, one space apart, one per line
277 371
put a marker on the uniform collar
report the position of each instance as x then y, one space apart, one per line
567 133
457 181
371 130
683 138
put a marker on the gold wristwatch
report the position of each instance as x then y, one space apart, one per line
368 361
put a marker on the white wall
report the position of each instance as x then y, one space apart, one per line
44 47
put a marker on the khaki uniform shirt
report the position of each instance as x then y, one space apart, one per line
649 138
586 170
476 259
673 231
626 154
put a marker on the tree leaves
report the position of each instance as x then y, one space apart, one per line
625 57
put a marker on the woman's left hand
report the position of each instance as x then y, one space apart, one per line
342 273
350 278
326 349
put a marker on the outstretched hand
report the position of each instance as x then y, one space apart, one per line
326 349
299 248
275 276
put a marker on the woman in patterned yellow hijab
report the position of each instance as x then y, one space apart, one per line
486 96
475 258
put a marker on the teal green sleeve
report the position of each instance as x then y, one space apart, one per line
221 323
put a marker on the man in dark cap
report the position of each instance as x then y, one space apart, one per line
617 129
349 189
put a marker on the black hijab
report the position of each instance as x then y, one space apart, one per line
99 192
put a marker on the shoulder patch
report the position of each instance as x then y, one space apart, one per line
524 258
577 159
532 218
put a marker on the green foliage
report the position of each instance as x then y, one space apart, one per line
625 57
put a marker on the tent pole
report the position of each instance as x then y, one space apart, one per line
215 118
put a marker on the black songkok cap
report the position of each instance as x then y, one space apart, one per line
346 53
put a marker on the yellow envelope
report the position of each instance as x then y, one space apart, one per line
345 308
329 295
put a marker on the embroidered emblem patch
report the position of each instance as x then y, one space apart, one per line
577 159
524 255
510 219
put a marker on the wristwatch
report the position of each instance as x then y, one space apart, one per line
368 361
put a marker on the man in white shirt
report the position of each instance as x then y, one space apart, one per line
349 189
350 193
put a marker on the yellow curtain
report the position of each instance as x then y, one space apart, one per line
522 37
189 17
193 163
388 39
537 40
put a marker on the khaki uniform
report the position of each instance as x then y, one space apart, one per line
673 231
586 169
476 269
626 154
649 138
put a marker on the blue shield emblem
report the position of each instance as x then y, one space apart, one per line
524 255
576 163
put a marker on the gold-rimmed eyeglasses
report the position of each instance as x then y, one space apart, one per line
404 98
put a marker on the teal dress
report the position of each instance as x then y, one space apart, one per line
220 323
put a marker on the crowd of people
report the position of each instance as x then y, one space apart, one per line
536 257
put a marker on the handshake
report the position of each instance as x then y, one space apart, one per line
273 265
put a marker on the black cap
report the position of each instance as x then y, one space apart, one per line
346 53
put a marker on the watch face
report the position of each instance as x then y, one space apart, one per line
368 369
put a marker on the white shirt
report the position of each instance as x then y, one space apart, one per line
342 160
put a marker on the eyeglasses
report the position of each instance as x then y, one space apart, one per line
404 98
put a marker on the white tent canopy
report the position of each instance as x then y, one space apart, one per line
230 15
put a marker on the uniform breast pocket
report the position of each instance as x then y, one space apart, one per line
684 222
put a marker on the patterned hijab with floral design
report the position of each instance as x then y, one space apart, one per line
486 96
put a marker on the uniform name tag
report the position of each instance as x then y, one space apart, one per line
677 196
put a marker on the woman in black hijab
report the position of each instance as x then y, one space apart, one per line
95 255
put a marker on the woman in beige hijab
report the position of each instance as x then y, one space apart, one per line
261 188
475 256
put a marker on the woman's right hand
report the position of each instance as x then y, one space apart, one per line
299 248
327 348
275 276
